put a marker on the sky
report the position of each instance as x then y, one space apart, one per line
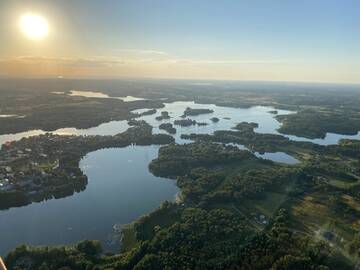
276 40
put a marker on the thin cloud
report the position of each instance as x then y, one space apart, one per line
227 62
142 52
114 61
75 62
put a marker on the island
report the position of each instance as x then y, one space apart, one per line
215 119
194 112
185 122
148 112
164 115
168 127
188 122
246 126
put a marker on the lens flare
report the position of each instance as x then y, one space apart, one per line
34 26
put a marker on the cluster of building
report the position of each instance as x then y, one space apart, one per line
260 219
20 167
8 157
48 164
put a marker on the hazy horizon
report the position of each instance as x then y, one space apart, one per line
303 41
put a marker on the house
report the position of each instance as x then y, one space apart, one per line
5 185
262 219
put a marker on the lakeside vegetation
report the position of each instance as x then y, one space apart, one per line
185 122
200 239
244 134
313 124
168 127
148 112
163 116
194 112
215 119
47 166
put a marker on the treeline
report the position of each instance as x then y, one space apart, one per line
203 186
177 160
282 249
13 199
168 127
200 239
313 124
194 112
208 172
244 134
85 255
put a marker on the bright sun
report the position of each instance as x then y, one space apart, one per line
34 26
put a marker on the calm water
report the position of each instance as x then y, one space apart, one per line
120 188
267 122
109 128
8 115
258 114
95 94
330 138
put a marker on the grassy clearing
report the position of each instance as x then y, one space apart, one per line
343 184
315 215
351 201
266 205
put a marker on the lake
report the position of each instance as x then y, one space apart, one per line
95 94
120 190
120 187
109 128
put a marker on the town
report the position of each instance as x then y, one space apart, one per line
36 168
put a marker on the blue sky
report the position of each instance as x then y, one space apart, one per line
302 40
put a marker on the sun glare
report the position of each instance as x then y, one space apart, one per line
34 26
